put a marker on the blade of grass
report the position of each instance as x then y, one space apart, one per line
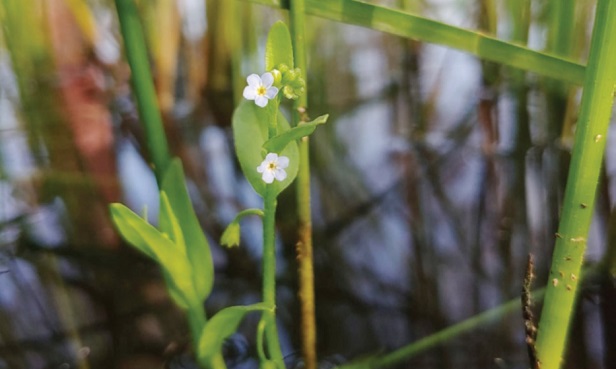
412 26
587 156
304 244
143 85
441 336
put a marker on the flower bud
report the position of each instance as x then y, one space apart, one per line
277 77
231 236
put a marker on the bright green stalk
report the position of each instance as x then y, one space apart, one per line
143 85
439 337
407 25
269 276
590 139
304 244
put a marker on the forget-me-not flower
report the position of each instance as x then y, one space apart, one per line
260 89
273 167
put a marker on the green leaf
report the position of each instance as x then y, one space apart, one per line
196 244
278 49
147 239
250 133
168 224
278 143
221 326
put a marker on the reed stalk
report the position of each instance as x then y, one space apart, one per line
587 156
304 244
143 85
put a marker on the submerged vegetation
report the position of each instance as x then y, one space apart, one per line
394 229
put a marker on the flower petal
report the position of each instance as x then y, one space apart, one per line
271 92
254 81
267 79
250 93
283 162
268 176
261 101
272 156
261 168
280 174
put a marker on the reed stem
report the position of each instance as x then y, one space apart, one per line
587 156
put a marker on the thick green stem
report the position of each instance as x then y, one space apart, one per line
304 244
269 275
590 139
143 85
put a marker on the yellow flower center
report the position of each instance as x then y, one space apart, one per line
271 166
261 90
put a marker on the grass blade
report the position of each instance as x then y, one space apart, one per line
412 26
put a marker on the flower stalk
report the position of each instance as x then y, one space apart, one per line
269 275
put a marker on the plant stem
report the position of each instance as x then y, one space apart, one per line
196 322
304 243
143 85
444 335
269 275
590 139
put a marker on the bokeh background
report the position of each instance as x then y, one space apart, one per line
435 176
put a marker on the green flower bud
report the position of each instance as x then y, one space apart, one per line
277 77
231 236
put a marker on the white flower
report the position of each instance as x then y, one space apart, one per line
273 167
260 89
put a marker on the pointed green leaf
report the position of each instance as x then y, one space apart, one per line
250 133
221 326
278 143
278 49
197 246
169 225
147 239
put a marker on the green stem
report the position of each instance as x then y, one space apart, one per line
444 335
246 212
196 322
587 156
304 244
143 85
269 275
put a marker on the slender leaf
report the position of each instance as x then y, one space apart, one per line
168 224
250 133
221 326
278 143
197 246
278 49
407 25
147 239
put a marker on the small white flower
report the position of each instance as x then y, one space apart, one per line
273 167
260 89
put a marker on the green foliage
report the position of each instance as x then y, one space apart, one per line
197 246
159 247
278 49
179 246
280 142
221 326
250 132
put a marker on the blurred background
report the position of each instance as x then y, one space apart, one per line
434 178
